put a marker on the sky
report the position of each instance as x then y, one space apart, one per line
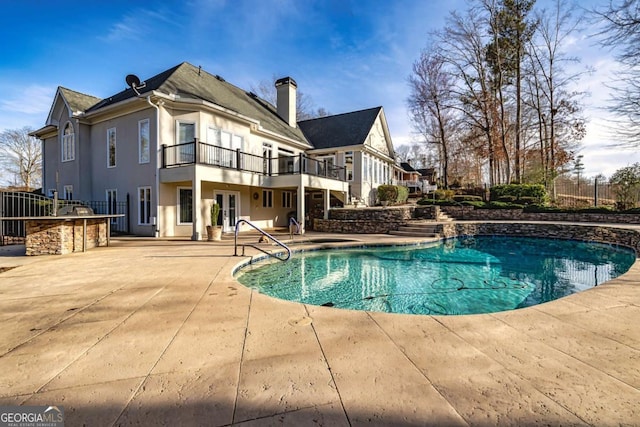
346 55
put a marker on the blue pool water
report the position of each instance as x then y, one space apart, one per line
456 276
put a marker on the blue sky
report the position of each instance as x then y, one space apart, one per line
346 55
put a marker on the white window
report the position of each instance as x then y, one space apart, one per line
325 165
267 198
143 141
111 148
348 165
68 145
68 192
186 132
144 205
267 153
185 205
286 199
186 137
285 161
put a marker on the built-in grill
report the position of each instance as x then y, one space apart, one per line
74 210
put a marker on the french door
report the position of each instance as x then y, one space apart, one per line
229 202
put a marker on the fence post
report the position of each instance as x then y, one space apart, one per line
128 209
595 192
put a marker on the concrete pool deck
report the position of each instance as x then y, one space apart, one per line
157 332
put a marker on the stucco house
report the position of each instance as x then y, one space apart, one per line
184 139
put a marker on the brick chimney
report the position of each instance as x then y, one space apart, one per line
286 89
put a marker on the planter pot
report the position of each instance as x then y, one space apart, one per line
214 234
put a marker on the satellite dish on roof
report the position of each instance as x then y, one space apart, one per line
134 83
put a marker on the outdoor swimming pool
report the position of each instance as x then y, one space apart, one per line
481 274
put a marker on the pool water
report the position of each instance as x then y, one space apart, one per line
472 275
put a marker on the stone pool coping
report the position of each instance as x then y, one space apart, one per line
157 331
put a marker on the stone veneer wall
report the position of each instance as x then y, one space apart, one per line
469 213
373 220
592 233
58 237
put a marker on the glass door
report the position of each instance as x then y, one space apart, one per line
229 202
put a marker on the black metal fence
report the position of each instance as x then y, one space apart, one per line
24 204
585 193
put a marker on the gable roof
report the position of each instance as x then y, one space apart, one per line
341 130
187 81
407 167
78 101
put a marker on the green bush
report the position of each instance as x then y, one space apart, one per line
518 191
444 194
506 199
403 194
394 194
540 209
430 201
467 198
475 203
501 205
387 193
527 200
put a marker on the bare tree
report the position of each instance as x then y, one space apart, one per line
620 31
557 109
305 107
430 105
463 43
21 158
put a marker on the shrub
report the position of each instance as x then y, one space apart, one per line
394 194
534 191
527 200
387 193
403 194
466 198
444 194
506 199
476 204
430 201
501 205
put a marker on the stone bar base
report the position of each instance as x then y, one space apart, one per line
63 236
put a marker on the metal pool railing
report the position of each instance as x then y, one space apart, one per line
264 233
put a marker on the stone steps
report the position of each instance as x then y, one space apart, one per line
418 230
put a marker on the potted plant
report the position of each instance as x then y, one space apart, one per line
214 233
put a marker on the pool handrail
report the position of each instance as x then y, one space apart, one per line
264 233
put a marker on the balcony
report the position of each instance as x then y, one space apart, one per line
200 153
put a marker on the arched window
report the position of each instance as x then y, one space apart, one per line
68 143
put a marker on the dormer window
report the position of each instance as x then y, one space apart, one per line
68 145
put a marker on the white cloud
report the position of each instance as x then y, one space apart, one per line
25 106
33 99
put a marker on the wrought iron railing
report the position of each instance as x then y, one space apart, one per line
202 153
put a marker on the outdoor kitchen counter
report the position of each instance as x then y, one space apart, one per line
63 234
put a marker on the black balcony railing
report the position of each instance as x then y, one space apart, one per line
206 154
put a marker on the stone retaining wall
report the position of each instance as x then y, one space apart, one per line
58 237
373 220
591 233
469 213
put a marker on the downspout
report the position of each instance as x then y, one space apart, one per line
157 169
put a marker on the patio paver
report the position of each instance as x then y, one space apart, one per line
153 332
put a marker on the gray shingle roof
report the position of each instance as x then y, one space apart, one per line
78 101
407 167
189 81
341 130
